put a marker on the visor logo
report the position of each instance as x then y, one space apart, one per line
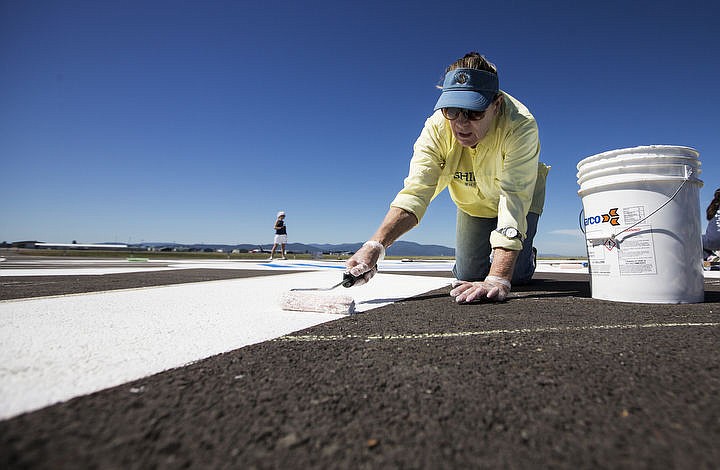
461 78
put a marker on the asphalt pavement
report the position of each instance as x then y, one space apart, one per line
551 378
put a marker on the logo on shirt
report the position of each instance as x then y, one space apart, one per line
466 177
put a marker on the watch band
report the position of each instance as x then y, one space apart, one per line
504 231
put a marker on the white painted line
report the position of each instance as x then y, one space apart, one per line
311 265
84 268
62 260
576 267
462 334
56 348
543 266
23 272
561 266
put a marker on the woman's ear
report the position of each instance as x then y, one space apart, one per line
497 102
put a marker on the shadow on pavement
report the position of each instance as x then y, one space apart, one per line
546 289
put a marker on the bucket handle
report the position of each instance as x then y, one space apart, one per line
689 171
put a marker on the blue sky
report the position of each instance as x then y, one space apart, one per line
196 121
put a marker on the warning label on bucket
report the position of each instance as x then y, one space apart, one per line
631 253
636 252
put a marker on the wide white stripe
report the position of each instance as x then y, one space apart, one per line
56 348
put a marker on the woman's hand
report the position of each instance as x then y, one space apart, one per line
363 264
494 289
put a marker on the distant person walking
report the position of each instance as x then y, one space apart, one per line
711 237
280 235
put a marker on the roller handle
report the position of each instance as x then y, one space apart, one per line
349 280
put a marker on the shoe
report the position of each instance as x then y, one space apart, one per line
284 257
270 258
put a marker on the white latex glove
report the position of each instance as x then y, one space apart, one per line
363 264
494 289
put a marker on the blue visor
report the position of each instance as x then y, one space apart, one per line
468 89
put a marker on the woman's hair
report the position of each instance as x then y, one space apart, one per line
473 60
714 205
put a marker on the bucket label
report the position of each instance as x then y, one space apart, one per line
636 251
631 253
633 215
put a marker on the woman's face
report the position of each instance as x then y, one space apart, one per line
468 132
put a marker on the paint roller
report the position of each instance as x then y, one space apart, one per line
320 299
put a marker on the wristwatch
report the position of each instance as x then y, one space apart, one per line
510 232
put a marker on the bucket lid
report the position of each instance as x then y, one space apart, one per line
649 150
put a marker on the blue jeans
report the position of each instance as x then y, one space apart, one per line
472 253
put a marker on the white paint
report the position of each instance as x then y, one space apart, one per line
77 271
56 348
543 266
461 334
85 268
81 245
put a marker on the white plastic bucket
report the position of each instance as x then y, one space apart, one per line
641 217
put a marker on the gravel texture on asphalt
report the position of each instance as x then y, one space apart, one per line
550 378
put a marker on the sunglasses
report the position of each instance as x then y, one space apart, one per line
453 113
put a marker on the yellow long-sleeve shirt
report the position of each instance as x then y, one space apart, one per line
494 179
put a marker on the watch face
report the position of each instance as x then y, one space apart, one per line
511 232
